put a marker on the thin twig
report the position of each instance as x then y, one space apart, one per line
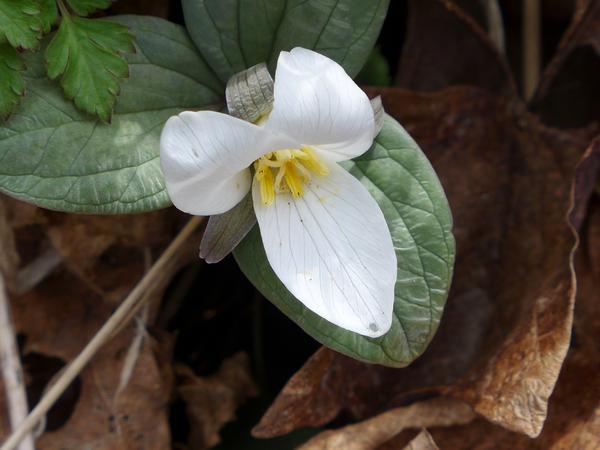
531 46
133 353
36 271
138 339
131 304
495 24
12 372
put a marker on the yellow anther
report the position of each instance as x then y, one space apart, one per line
313 163
264 176
293 168
293 180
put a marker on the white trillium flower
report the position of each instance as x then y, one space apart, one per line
324 235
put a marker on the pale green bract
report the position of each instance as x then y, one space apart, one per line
403 183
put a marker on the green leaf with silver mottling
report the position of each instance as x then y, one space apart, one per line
405 186
53 155
236 34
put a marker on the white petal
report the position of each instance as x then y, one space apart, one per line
211 195
333 251
204 156
318 104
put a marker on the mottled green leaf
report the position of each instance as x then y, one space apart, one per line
12 86
236 34
403 183
20 23
53 155
85 7
85 53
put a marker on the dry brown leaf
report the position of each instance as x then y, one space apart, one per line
306 400
109 252
105 256
423 441
371 433
212 401
57 319
573 418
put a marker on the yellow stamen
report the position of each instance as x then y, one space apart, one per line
279 178
293 167
264 175
293 180
313 163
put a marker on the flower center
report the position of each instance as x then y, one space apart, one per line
286 171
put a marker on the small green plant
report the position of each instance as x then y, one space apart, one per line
373 286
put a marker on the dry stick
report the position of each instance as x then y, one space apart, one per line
495 24
133 301
12 373
35 272
531 46
138 339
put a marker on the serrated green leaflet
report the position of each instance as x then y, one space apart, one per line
85 7
85 53
12 86
19 23
236 34
48 14
54 156
403 183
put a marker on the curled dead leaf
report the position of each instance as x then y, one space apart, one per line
109 252
120 400
423 441
371 433
212 401
56 319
